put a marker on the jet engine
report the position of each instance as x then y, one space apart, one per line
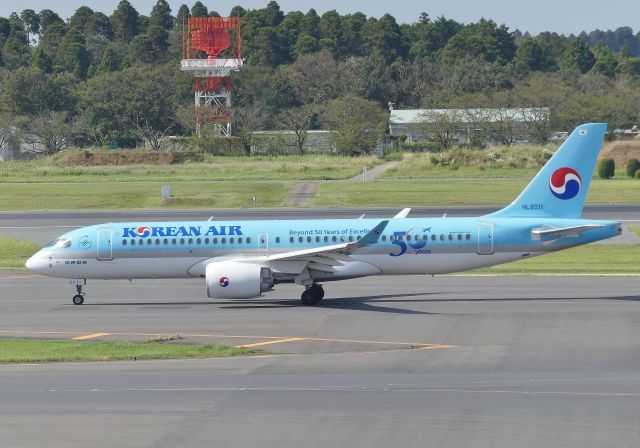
234 280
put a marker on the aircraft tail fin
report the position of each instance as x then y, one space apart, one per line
561 186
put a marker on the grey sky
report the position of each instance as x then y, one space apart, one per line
562 16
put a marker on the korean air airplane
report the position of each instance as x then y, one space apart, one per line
244 259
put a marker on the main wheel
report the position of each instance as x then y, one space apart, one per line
313 295
78 299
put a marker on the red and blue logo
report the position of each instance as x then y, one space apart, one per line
143 231
565 183
224 282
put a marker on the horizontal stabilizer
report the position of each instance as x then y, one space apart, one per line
555 233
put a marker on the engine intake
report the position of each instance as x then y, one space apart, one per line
235 280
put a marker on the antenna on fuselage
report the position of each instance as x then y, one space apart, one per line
362 216
210 218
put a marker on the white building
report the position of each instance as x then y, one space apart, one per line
418 124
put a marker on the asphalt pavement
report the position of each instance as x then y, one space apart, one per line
412 361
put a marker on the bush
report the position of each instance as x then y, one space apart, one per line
421 146
638 174
606 168
633 165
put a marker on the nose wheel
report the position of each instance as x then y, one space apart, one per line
312 295
78 299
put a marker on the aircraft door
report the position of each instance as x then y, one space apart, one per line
263 241
104 250
485 238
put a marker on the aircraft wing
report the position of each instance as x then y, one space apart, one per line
555 233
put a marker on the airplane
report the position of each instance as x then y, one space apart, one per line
244 259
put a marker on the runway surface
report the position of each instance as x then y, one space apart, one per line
386 361
43 226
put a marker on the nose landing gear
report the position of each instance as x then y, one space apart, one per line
312 295
78 299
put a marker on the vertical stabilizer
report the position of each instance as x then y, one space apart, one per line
560 188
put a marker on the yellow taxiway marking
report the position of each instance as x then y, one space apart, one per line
276 341
90 336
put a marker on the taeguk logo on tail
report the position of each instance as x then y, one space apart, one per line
565 183
224 282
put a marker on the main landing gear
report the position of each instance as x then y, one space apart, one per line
312 295
78 299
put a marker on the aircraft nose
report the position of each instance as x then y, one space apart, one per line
37 263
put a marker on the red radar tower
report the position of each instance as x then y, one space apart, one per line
212 49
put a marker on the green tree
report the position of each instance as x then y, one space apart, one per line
305 45
633 165
51 38
606 62
357 124
606 168
109 62
15 53
31 20
382 38
182 16
310 24
125 21
579 57
299 120
81 18
41 60
72 55
99 25
199 10
140 51
161 15
630 67
532 56
159 41
48 17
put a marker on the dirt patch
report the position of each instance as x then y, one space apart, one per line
621 151
125 157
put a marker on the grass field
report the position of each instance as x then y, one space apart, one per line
14 252
308 167
45 350
137 195
436 192
591 259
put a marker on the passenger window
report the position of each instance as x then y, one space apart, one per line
459 236
248 240
450 237
124 242
206 241
441 237
223 240
166 242
342 239
230 240
141 242
149 242
468 237
408 237
190 241
239 240
384 237
326 239
182 241
317 239
133 242
215 241
278 239
334 239
198 241
157 242
300 239
433 237
350 238
308 239
173 241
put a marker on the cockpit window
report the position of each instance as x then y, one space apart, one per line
60 243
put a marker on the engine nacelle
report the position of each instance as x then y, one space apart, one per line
234 280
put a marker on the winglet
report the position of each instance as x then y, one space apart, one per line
403 213
374 235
